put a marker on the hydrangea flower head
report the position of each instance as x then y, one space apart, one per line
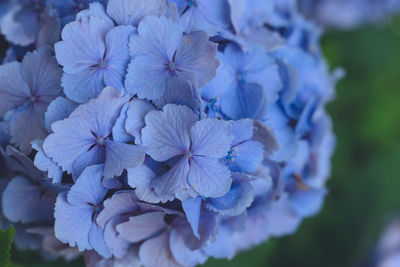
169 131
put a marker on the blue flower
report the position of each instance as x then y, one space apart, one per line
204 15
84 138
26 89
246 83
196 147
94 55
79 207
69 8
160 52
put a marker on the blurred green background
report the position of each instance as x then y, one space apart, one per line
365 183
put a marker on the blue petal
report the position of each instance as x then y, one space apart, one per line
88 189
250 154
58 110
152 49
159 246
93 156
182 253
180 92
192 209
119 132
24 202
120 156
131 12
211 138
96 240
13 89
195 59
119 204
142 226
68 217
44 163
140 178
167 132
136 113
209 177
117 56
174 183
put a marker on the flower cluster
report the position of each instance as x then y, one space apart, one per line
345 14
160 132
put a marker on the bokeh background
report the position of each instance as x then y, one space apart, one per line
364 189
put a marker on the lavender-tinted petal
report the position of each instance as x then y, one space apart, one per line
23 202
142 226
131 12
174 183
140 178
159 246
96 240
82 45
167 132
209 177
136 113
67 217
211 138
58 110
196 55
117 56
182 253
192 209
120 156
83 86
13 89
119 132
93 156
88 187
44 163
70 139
250 154
28 118
117 245
119 204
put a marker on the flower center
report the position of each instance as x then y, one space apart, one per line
100 141
171 66
191 3
232 153
189 154
241 77
102 64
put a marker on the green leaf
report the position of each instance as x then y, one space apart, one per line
6 238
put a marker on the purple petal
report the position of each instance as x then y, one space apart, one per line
119 132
